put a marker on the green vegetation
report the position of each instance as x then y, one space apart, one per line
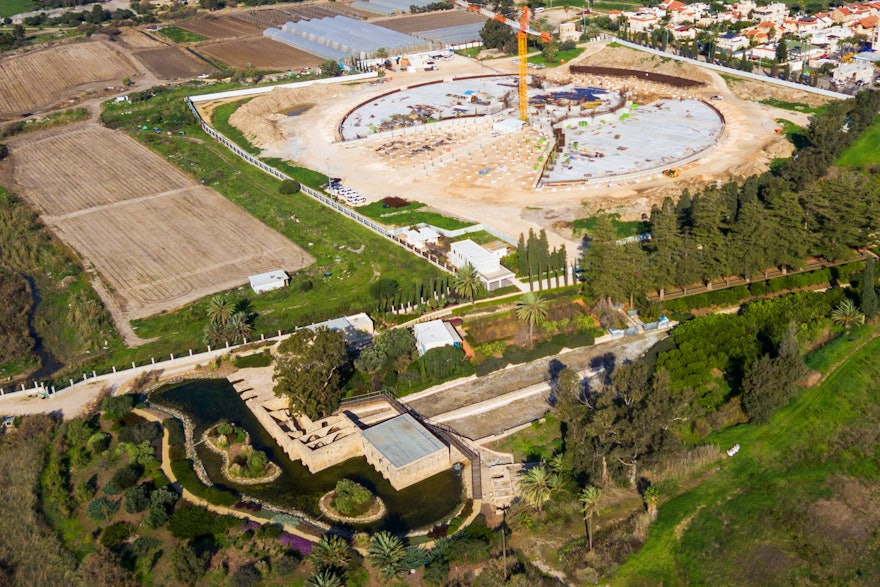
351 499
622 228
562 56
13 7
794 133
609 5
179 35
815 459
220 122
863 153
796 106
481 237
409 215
48 121
262 359
540 441
471 52
70 320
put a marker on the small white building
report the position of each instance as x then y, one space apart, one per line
268 281
508 125
487 264
434 335
854 72
422 237
357 329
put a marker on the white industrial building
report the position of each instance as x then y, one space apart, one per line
269 281
434 335
487 264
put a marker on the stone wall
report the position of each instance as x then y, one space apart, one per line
411 473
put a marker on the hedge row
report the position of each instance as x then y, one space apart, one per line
735 295
515 355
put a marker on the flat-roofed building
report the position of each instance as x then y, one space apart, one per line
492 274
434 335
271 280
404 452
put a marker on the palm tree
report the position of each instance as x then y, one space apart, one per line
537 485
589 498
651 498
531 308
324 578
331 553
238 327
386 553
847 314
220 310
466 282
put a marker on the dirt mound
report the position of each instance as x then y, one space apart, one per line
261 119
757 91
626 58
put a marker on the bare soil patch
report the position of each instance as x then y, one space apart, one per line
626 58
157 238
260 52
136 39
278 15
48 77
223 27
430 21
753 90
172 63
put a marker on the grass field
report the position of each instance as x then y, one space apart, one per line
411 214
539 441
795 106
864 152
220 122
179 35
12 7
561 56
799 499
624 229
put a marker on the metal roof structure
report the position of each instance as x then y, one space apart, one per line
453 35
388 7
402 440
341 37
270 277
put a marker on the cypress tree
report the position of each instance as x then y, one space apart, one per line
522 254
868 293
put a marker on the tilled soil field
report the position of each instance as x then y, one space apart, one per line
225 27
172 63
157 238
262 53
43 78
430 21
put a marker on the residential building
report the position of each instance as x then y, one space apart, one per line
357 329
774 12
492 274
421 237
853 72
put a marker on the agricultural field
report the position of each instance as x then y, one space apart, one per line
261 53
172 63
220 28
63 72
179 35
12 7
430 21
158 238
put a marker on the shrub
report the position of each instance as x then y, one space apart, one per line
99 442
83 491
156 516
287 563
138 433
188 479
288 186
136 499
122 479
246 576
186 565
197 522
263 359
142 546
115 533
269 531
102 509
117 407
351 498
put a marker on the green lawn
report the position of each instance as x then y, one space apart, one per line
411 214
220 122
789 504
481 237
179 35
865 151
539 441
624 229
12 7
560 57
794 133
795 106
608 5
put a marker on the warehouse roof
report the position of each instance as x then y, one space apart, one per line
402 440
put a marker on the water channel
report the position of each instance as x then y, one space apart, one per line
49 364
210 400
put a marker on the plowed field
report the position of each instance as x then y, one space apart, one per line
431 21
221 28
172 63
157 238
261 53
43 78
